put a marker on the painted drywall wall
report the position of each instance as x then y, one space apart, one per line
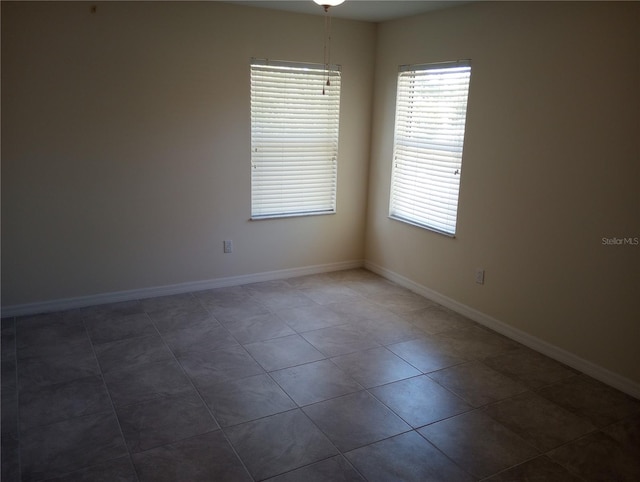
126 145
551 166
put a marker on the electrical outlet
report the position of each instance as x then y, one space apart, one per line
480 276
228 246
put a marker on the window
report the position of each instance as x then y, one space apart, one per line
431 109
295 109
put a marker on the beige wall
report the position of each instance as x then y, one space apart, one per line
126 145
551 166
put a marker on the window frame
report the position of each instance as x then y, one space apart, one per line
297 132
432 159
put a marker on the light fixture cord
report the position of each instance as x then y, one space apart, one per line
327 45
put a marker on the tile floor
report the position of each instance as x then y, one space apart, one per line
339 376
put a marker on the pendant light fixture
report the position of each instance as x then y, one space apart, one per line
326 4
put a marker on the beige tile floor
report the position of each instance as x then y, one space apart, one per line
339 376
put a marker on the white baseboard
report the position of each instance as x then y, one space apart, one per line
138 294
596 371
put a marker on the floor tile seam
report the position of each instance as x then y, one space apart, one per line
523 381
338 449
442 452
549 384
539 391
260 418
324 327
123 339
346 373
462 362
590 380
576 439
17 406
7 319
177 361
191 437
72 472
256 295
207 308
519 464
385 347
166 444
469 402
14 359
514 379
410 428
623 419
137 367
10 332
543 451
348 298
235 451
67 418
486 406
196 309
207 408
413 338
423 438
206 386
327 355
621 446
373 387
471 409
268 311
390 409
244 347
566 467
86 319
511 397
113 409
188 378
222 326
129 367
294 332
382 309
340 454
100 374
300 332
282 388
481 411
8 358
181 329
142 300
362 388
57 355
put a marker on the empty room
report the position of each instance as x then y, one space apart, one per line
381 241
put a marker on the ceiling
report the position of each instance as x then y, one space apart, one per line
366 10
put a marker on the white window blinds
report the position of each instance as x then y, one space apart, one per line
431 109
294 139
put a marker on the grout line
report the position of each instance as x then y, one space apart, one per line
113 407
204 403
